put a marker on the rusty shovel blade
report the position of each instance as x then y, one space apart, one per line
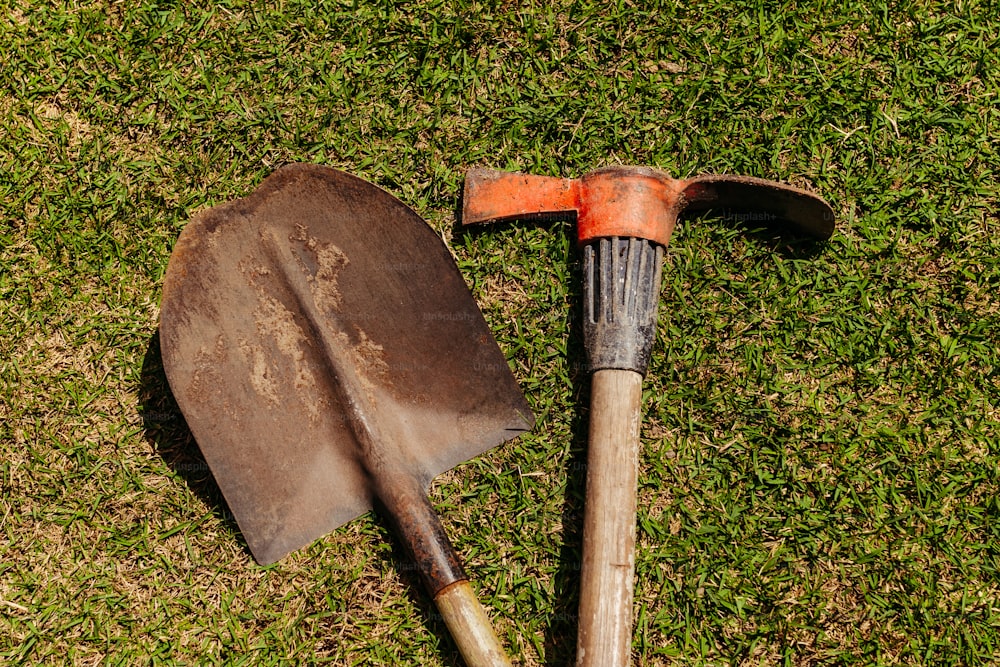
323 347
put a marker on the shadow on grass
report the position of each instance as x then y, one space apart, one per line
778 237
559 641
169 436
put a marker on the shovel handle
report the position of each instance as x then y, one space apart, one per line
604 636
470 627
419 528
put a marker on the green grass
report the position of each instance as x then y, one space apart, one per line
820 461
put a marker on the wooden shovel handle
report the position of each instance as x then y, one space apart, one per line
470 627
605 626
419 528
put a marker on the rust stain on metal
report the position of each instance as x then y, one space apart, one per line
327 262
205 376
276 323
369 359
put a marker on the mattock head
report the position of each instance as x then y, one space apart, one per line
637 202
625 216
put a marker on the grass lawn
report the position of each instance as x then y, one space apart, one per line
820 475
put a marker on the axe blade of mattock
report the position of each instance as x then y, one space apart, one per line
625 216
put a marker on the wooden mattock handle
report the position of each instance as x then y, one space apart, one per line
621 291
605 626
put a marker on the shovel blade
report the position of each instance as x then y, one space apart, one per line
318 336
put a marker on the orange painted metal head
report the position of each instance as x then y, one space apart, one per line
638 202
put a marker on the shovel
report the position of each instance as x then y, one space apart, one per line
329 359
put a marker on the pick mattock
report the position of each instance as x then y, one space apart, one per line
625 216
